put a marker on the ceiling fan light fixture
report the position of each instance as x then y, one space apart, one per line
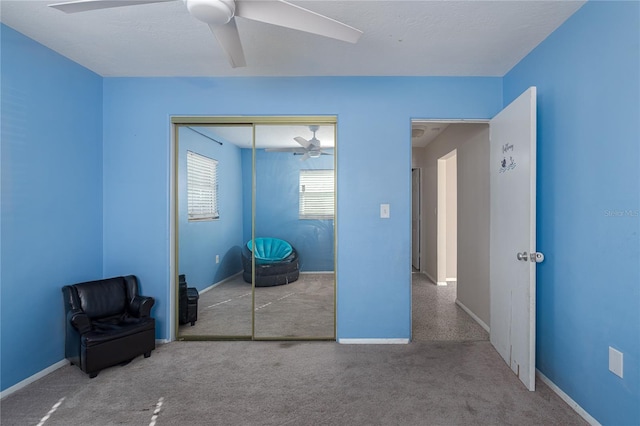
212 12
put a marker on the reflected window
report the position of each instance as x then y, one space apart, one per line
316 194
202 187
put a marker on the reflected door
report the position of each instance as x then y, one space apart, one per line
293 237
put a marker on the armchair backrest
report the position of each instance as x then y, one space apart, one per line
102 298
106 297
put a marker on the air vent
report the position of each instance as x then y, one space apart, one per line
416 132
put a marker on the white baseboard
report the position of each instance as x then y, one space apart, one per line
162 341
33 378
566 398
451 279
433 280
442 283
474 316
373 341
316 272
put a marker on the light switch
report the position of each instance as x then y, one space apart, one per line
384 211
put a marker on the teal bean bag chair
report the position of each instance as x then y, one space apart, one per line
276 262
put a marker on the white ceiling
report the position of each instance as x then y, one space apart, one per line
401 38
427 132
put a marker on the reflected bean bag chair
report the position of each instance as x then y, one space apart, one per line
276 262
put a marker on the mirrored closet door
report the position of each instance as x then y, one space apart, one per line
255 228
214 221
294 231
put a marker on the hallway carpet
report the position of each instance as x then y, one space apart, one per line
436 317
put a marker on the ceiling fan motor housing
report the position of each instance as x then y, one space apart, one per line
214 12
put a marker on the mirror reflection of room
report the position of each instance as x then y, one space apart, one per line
295 181
212 176
293 249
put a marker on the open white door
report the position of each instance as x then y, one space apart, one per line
415 218
513 254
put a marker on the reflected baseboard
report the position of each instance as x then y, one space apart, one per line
316 272
220 282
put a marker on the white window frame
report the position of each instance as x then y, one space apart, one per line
317 194
202 187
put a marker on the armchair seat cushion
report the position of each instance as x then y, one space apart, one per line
107 329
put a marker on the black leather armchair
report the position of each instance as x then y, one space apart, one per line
107 323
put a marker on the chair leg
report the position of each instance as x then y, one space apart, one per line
193 323
147 354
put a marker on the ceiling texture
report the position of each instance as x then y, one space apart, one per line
401 38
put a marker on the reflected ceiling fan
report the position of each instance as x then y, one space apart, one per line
308 148
220 16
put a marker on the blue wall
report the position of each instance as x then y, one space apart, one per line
588 74
82 200
374 296
201 241
277 203
51 214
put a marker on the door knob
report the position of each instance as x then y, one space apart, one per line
523 256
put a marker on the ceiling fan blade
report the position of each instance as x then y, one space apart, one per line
305 157
229 39
85 5
302 141
289 15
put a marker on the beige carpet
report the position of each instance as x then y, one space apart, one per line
293 383
435 382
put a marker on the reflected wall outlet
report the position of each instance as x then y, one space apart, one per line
615 361
217 258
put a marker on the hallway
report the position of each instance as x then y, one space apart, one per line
436 317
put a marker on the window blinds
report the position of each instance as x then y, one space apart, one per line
316 194
202 187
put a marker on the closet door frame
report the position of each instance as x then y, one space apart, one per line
180 121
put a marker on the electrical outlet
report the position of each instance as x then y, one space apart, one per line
615 361
217 258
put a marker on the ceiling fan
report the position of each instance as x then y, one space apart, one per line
220 16
308 148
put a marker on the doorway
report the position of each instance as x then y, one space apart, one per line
416 190
447 252
503 172
450 300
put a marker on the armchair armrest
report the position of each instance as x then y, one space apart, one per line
141 306
79 320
